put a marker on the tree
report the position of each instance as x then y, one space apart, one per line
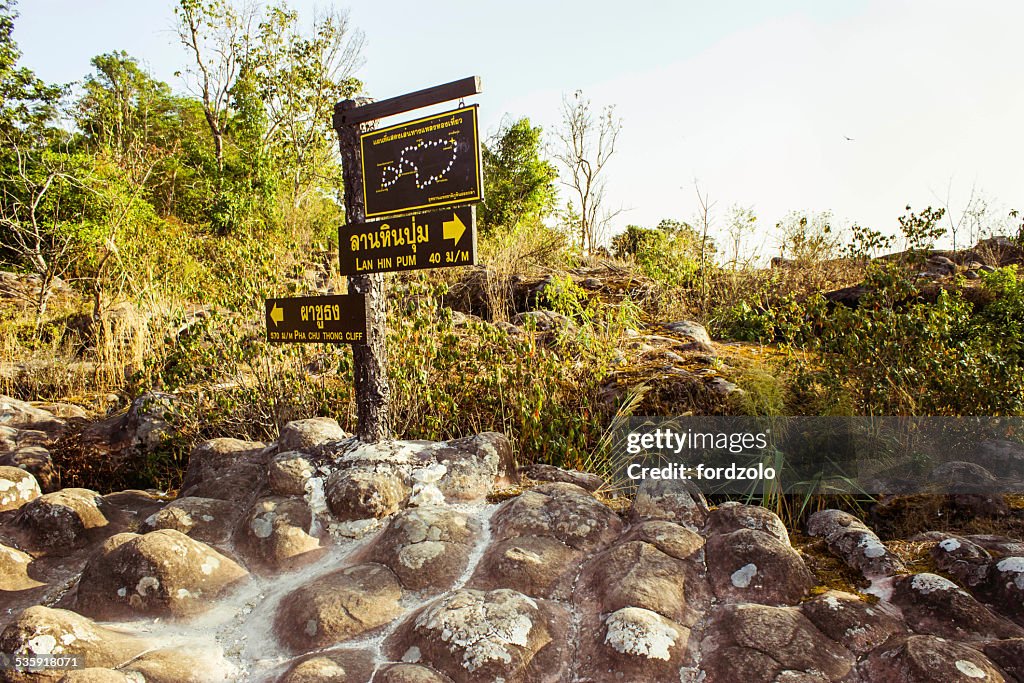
587 143
300 78
519 184
27 104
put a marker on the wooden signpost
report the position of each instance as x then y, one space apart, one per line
430 163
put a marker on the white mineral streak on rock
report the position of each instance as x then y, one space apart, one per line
316 499
484 632
968 668
742 577
949 545
42 645
833 602
209 565
640 632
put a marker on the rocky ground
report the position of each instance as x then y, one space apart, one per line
316 558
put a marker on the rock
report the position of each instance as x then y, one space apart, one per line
754 566
44 631
853 542
410 673
21 415
213 459
192 664
337 607
563 511
205 519
537 566
364 493
62 520
163 574
936 606
238 484
673 500
473 465
36 461
695 334
999 546
1005 457
472 636
545 321
1005 587
637 574
96 675
427 548
634 644
586 480
760 643
926 659
289 473
965 561
275 532
1008 655
14 565
307 435
338 666
731 516
149 420
17 487
963 477
854 623
672 539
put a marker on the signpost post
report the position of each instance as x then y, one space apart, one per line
428 163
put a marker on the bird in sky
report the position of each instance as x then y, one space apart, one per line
848 138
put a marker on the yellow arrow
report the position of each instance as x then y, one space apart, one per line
277 314
454 229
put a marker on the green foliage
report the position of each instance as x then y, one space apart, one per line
519 183
669 253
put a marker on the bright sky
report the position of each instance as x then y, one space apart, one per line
752 98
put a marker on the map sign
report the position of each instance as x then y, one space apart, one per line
440 239
422 164
317 319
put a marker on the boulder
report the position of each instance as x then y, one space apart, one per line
545 321
563 511
695 335
17 487
962 559
212 459
761 643
307 435
196 663
754 566
672 500
337 607
275 532
162 574
44 631
21 415
732 516
14 575
1004 588
936 606
1008 655
634 644
288 473
473 465
366 493
672 539
427 547
96 675
410 673
62 520
851 621
205 519
637 574
537 566
926 659
470 636
586 480
853 542
337 666
35 460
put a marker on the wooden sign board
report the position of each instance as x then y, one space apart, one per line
440 239
422 164
317 319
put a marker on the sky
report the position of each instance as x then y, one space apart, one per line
752 101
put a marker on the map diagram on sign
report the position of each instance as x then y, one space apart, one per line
416 160
422 164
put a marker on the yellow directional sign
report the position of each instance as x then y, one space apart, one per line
317 319
439 239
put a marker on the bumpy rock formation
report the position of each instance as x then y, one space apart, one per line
318 559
